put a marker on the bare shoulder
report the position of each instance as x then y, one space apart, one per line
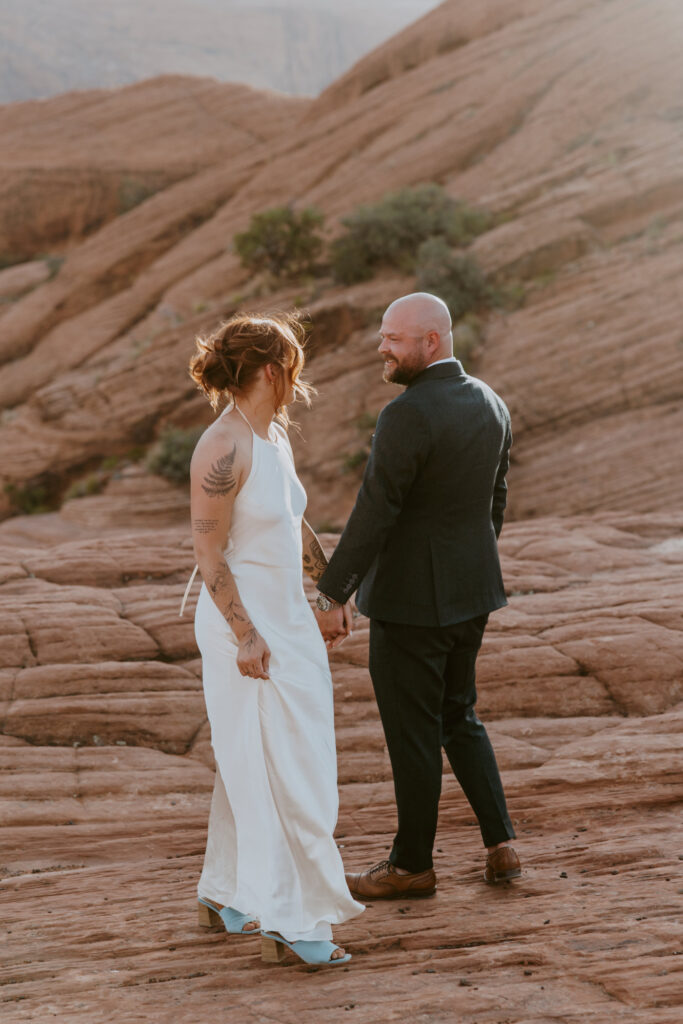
222 457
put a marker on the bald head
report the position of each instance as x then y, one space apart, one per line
415 332
423 313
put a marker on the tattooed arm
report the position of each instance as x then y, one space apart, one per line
337 623
219 467
314 558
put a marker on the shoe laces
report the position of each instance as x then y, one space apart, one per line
381 869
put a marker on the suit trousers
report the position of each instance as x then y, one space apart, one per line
424 682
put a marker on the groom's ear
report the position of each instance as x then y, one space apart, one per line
433 339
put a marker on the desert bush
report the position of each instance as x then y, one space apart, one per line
171 455
389 232
456 278
53 262
31 499
92 484
509 294
467 337
353 460
133 191
282 241
366 421
365 424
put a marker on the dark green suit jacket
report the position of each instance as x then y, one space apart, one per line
421 542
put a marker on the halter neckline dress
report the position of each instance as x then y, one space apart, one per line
270 851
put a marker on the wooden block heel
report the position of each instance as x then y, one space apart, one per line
207 917
272 951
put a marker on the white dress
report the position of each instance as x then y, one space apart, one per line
270 850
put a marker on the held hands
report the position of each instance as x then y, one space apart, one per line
335 625
253 655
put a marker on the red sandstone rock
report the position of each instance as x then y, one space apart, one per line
102 841
590 196
16 280
58 187
103 829
580 676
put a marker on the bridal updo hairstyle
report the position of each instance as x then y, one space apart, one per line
226 362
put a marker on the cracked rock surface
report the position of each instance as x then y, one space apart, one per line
107 776
564 120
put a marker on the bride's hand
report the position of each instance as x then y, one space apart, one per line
253 655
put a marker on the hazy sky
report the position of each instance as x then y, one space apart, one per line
52 46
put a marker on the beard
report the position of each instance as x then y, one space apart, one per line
404 371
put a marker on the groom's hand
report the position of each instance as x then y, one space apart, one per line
347 620
332 625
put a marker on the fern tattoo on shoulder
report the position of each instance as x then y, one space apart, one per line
220 479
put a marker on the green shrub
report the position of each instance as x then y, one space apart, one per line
510 295
133 191
355 459
93 484
366 421
29 500
389 232
10 259
282 241
455 278
467 337
171 455
53 262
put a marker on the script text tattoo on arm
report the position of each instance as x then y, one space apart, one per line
220 479
204 525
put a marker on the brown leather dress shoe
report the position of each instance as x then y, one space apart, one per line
502 865
384 882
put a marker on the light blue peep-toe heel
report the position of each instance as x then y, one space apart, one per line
310 951
210 916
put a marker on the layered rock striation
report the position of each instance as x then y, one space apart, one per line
108 771
563 121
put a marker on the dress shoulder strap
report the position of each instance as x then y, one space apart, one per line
244 418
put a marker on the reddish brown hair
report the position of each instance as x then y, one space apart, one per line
228 360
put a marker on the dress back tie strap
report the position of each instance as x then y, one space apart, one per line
187 591
236 406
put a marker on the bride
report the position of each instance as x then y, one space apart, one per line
271 863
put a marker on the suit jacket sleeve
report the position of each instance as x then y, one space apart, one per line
399 448
500 490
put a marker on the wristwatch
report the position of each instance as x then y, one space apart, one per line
325 604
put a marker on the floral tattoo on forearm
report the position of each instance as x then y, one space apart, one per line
234 611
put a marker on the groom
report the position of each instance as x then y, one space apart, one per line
420 547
